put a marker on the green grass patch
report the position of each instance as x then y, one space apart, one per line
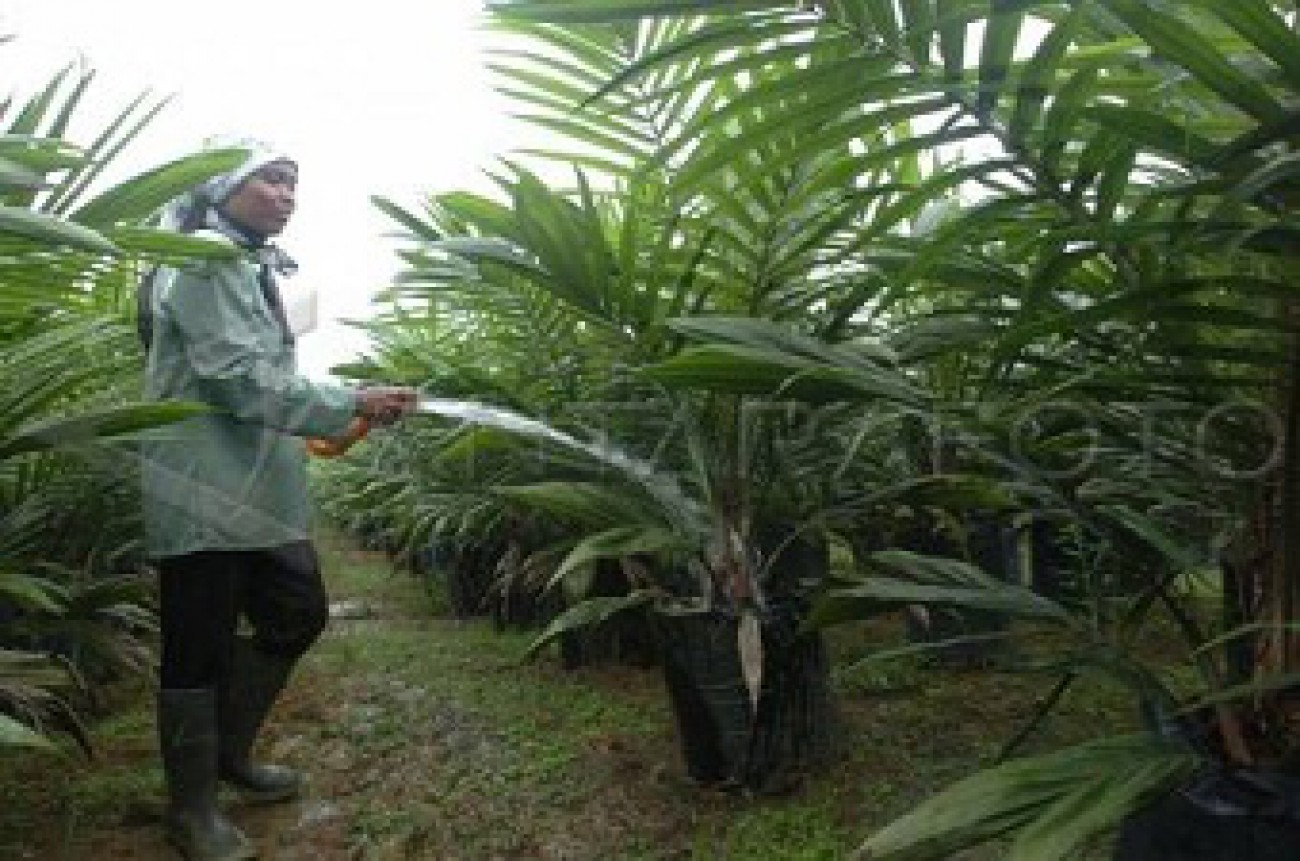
433 739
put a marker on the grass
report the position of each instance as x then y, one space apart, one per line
429 738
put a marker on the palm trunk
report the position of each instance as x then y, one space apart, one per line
1260 582
726 740
1280 588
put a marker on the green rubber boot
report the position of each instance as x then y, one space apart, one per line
187 739
255 682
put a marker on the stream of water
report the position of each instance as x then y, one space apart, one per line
662 486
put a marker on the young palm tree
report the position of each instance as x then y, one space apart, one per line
556 287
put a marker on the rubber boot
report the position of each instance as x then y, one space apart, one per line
187 739
254 683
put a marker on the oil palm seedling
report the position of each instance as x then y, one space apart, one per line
574 282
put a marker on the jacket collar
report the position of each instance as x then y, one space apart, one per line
267 253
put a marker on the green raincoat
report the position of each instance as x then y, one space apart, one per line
235 479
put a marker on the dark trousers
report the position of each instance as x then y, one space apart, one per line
204 595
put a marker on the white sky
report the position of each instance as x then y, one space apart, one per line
388 96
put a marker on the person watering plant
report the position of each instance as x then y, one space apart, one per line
225 496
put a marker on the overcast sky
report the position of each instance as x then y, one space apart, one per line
392 97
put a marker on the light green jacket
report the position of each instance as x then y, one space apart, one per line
235 479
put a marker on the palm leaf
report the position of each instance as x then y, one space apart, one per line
94 425
142 196
592 611
1097 782
1178 42
50 231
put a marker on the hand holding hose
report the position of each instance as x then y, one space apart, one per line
376 407
385 405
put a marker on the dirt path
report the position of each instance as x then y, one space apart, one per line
427 739
398 719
